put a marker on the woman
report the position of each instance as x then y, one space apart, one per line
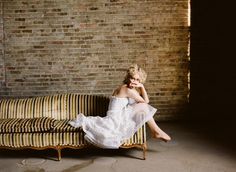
128 110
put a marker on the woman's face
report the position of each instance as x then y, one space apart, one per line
135 79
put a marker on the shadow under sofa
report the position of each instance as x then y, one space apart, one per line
42 122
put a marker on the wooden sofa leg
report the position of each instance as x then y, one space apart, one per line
144 150
59 153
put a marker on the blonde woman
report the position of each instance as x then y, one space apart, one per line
128 110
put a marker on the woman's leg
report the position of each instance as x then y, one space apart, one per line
142 109
156 131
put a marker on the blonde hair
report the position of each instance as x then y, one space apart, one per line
135 69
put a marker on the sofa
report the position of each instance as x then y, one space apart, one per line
42 122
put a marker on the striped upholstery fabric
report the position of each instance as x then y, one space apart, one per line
56 138
138 138
19 125
63 126
61 108
40 140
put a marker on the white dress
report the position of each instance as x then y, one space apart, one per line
124 117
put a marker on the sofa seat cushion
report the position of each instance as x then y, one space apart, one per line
63 126
21 125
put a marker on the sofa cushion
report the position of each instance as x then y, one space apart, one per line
19 125
63 126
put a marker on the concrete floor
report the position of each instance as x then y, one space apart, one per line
192 149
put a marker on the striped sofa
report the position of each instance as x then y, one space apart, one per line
42 122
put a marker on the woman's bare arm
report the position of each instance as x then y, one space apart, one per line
143 92
132 93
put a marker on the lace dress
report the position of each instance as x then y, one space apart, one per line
124 117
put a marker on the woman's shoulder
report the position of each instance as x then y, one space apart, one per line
123 86
127 91
120 89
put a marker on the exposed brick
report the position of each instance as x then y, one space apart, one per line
85 47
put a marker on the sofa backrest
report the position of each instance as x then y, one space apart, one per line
59 106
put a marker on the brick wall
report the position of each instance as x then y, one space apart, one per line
2 69
84 46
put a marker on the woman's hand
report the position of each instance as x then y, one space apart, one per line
136 85
142 91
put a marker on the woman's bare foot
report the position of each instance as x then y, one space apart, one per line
161 135
157 133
